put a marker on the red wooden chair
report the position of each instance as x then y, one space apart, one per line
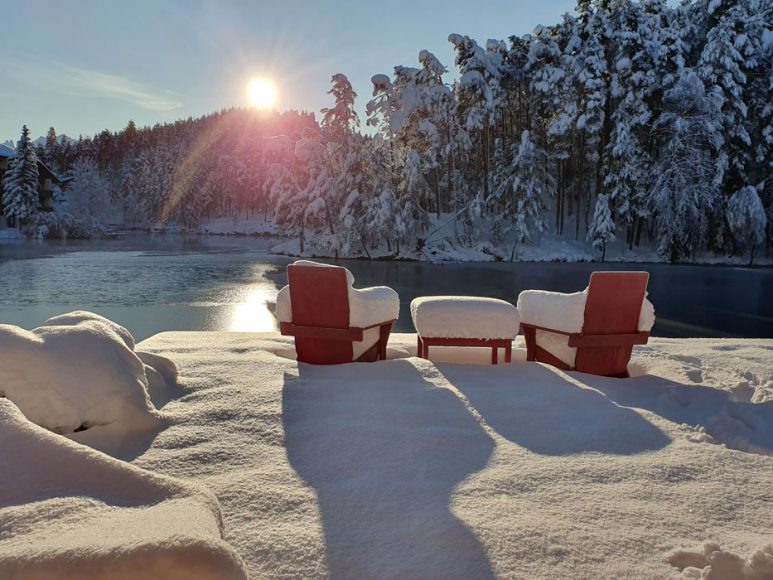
332 322
617 316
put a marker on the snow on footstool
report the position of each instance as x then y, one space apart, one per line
464 321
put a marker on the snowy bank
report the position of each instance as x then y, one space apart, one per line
78 375
420 469
67 512
550 248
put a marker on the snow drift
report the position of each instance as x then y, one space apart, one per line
424 469
78 375
67 512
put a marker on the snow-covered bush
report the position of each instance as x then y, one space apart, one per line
89 192
61 226
747 220
80 372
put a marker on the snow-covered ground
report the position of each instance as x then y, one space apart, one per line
415 469
408 468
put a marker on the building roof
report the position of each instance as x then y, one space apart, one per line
6 151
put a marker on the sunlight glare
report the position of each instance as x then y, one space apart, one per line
253 314
262 93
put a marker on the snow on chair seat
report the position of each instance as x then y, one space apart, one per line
464 321
591 331
332 322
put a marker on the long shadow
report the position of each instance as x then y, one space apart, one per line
384 450
739 425
539 409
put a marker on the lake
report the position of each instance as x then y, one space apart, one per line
153 284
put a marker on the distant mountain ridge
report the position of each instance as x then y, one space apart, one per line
41 141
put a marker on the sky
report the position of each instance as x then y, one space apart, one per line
82 66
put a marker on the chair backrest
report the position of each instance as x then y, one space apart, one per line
614 302
319 296
613 307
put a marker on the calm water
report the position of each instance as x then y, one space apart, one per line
210 283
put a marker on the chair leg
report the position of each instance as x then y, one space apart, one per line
530 338
384 331
419 347
509 353
494 355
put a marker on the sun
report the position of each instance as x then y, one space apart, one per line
262 92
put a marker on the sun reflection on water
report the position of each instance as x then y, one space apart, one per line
253 313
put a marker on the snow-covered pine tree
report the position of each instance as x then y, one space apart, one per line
684 195
21 199
726 59
89 192
51 147
602 226
517 201
628 168
553 97
747 220
586 55
479 96
438 129
341 120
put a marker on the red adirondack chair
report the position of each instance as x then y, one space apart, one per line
326 329
615 319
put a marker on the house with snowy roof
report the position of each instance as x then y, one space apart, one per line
48 181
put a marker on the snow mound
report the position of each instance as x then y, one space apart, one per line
72 512
714 563
78 375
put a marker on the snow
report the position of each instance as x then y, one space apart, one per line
714 562
106 396
407 468
67 511
464 317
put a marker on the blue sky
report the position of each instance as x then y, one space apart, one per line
86 65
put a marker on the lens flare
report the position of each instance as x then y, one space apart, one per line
262 93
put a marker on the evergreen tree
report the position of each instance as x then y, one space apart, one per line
89 192
341 120
747 220
725 62
602 227
685 195
21 200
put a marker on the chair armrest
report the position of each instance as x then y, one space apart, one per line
546 329
577 340
555 311
320 332
373 306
